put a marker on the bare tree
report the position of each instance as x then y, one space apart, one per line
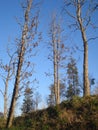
51 96
82 21
58 55
53 45
6 75
28 34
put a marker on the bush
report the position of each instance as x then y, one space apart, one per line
76 114
2 123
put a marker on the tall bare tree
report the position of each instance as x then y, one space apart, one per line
28 34
58 55
53 45
81 11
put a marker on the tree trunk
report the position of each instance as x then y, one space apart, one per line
85 72
5 94
58 90
55 70
5 97
55 35
85 45
58 60
20 63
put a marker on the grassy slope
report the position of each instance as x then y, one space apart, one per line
77 114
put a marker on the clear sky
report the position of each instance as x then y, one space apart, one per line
9 10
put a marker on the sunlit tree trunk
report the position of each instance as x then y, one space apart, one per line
6 97
55 66
6 77
58 60
82 13
85 45
19 66
58 53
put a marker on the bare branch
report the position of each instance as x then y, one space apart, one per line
71 15
2 92
88 22
3 77
93 38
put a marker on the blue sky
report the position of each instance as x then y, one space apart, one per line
10 9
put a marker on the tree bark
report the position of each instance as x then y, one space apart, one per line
20 63
5 97
58 60
55 69
85 72
85 45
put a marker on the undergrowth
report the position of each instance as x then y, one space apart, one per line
76 114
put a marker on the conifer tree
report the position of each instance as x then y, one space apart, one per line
73 79
27 101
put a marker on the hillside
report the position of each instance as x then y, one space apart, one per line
77 114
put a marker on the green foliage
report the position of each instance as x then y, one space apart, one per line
53 112
45 127
76 114
27 101
28 122
2 122
73 79
13 128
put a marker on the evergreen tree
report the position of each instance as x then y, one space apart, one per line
28 104
73 79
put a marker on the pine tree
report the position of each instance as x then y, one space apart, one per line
28 104
73 79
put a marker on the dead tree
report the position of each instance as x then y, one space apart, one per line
58 55
26 35
82 21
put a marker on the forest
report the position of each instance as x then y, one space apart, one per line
48 70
